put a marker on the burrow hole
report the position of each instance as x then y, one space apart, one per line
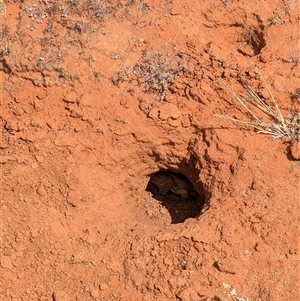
177 194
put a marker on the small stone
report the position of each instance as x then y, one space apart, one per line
153 114
40 158
168 261
295 150
6 262
167 111
71 97
103 286
228 266
186 122
41 191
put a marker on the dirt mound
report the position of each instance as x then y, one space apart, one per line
99 96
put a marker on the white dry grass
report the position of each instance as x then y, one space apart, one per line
276 125
232 293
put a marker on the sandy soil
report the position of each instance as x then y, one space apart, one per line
97 97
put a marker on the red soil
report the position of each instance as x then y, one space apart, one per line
81 137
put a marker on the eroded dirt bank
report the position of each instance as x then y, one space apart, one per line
97 97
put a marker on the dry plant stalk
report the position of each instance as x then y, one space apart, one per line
156 71
288 127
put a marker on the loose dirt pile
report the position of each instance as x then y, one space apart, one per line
100 96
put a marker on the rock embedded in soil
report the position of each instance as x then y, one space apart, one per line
295 150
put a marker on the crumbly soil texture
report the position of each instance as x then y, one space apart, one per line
99 96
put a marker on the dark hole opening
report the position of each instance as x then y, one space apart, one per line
177 194
256 39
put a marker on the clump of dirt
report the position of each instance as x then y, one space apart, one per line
82 138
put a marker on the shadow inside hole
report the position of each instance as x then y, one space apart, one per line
256 39
177 194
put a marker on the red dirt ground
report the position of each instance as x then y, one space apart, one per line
82 133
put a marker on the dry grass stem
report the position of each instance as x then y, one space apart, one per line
278 127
